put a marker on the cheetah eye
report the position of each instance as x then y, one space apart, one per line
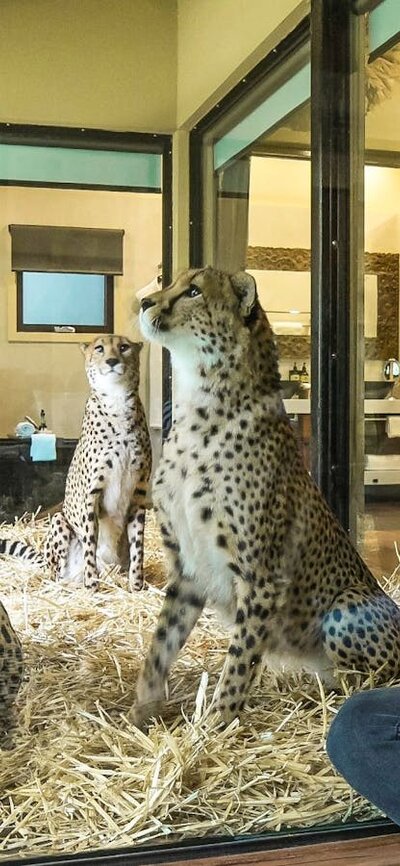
193 291
124 347
99 349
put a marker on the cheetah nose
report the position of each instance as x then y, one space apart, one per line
112 362
146 303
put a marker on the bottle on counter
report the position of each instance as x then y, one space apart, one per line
294 373
304 377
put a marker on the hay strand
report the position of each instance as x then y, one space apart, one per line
77 776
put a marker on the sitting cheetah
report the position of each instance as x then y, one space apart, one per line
106 486
245 528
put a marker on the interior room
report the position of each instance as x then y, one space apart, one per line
279 210
139 139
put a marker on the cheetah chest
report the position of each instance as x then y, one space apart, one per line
120 482
190 503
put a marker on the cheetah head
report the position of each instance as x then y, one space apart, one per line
111 362
201 315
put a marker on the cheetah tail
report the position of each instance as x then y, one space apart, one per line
8 547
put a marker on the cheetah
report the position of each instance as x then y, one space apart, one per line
244 527
11 666
103 513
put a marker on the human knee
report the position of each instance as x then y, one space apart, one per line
348 736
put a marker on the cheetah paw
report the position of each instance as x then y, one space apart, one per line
92 583
137 584
140 715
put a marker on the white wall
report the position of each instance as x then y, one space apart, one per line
280 216
279 211
382 196
110 64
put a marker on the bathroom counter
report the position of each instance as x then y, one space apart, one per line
300 406
297 406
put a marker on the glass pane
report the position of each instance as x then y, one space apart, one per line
63 299
44 384
379 524
47 369
262 222
383 24
79 166
272 110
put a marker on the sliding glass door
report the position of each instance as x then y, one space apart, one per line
256 214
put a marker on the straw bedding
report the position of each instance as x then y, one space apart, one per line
75 775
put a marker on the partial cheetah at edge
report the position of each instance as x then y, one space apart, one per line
245 528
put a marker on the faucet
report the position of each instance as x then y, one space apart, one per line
391 372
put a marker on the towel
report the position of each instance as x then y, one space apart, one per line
24 429
393 426
43 447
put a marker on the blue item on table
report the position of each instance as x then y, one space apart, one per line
43 447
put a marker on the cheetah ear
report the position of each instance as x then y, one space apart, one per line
83 347
246 289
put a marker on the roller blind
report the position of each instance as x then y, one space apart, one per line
66 249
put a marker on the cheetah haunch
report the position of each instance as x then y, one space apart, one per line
245 528
103 515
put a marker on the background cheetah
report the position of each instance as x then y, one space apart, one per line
245 528
103 514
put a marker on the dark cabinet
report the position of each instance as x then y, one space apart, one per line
24 485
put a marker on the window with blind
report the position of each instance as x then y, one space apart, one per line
65 277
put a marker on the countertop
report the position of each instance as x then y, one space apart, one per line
300 406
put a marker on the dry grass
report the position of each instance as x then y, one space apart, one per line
77 776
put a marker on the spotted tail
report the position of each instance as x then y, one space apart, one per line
8 547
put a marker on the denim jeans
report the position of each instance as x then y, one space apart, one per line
364 745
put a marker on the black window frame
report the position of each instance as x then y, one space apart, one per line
107 328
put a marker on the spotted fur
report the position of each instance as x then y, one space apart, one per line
103 514
244 527
11 665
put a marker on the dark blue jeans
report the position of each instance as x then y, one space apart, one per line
364 745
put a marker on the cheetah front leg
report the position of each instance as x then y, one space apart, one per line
244 655
90 537
57 544
135 532
180 612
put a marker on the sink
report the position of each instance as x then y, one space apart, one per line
377 390
293 389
